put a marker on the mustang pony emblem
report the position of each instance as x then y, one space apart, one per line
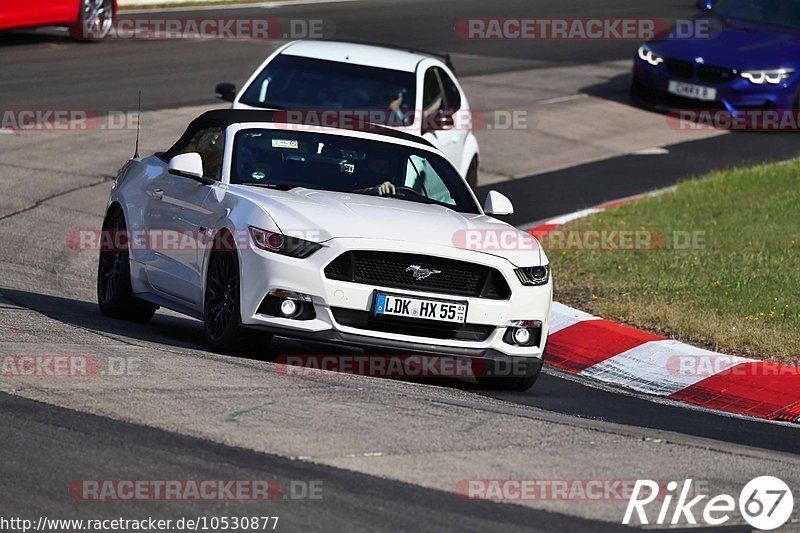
421 273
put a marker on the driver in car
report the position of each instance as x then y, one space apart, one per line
386 188
396 116
379 167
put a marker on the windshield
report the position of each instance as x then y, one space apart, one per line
284 160
290 82
773 12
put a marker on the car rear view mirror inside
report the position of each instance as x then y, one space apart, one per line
497 204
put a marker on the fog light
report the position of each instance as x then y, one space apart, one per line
287 304
522 336
523 333
288 308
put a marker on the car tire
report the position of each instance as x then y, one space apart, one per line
114 293
496 375
222 318
95 19
472 174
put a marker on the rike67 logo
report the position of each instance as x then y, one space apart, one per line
765 503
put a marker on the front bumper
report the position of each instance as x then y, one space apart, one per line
265 271
384 346
651 84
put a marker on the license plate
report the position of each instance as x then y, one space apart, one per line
420 308
690 90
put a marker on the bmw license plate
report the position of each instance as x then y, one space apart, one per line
690 90
420 308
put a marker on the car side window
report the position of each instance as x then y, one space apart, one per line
451 93
424 179
209 144
432 94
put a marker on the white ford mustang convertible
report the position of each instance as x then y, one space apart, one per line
368 237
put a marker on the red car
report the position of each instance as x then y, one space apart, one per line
88 20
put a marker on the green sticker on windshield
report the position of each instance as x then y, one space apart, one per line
258 175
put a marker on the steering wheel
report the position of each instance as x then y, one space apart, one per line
402 191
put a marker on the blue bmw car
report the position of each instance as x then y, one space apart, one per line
749 59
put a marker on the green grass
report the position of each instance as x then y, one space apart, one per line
737 292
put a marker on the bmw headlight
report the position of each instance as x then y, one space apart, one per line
282 244
539 275
773 77
645 54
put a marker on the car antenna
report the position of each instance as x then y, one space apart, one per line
138 126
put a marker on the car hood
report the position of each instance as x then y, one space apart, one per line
735 44
324 215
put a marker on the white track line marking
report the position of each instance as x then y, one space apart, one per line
563 317
661 367
561 99
564 219
651 151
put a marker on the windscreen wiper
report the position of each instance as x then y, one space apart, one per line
276 186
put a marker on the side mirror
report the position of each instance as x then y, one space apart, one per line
445 120
189 166
497 204
441 120
226 91
706 5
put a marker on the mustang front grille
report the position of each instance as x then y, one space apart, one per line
420 272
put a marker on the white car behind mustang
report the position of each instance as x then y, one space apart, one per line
410 90
351 236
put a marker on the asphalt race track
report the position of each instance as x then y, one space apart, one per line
389 453
184 73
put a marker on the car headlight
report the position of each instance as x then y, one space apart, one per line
539 275
774 77
282 244
645 54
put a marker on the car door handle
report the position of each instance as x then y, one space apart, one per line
157 194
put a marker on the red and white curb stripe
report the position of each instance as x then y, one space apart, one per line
589 346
